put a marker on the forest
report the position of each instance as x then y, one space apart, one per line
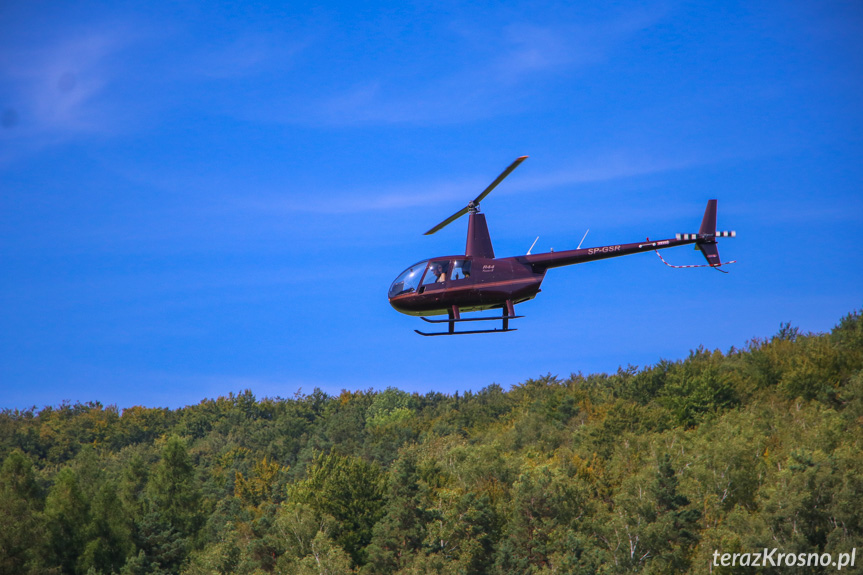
646 470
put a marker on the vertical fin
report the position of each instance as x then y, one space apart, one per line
708 223
707 234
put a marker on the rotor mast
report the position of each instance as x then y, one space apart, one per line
478 239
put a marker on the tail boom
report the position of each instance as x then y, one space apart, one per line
704 240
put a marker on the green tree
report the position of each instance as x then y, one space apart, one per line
697 387
545 502
462 530
21 533
161 548
109 538
66 514
310 548
674 530
348 489
173 489
399 533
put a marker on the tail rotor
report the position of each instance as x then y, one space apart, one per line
705 240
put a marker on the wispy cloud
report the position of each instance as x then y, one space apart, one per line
106 78
52 91
379 198
605 167
485 79
530 49
250 53
54 87
602 168
68 86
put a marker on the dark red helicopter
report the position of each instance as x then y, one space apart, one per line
478 281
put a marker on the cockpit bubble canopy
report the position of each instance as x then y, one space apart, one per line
409 280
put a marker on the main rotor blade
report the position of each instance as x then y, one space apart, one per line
485 192
499 179
448 221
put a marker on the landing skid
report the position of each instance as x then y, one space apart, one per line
454 317
466 332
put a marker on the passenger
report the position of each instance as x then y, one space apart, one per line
460 271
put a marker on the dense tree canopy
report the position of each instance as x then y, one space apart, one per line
646 470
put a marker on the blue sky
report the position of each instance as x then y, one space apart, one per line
198 198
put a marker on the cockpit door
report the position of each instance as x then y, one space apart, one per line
436 276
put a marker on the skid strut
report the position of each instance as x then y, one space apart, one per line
455 317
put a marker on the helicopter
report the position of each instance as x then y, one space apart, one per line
477 281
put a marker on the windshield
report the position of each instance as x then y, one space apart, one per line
408 280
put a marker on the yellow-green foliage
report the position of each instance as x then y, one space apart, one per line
645 470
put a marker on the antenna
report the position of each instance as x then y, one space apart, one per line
582 239
533 244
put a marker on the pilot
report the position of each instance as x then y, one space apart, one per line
439 272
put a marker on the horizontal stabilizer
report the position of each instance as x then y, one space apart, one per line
731 234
